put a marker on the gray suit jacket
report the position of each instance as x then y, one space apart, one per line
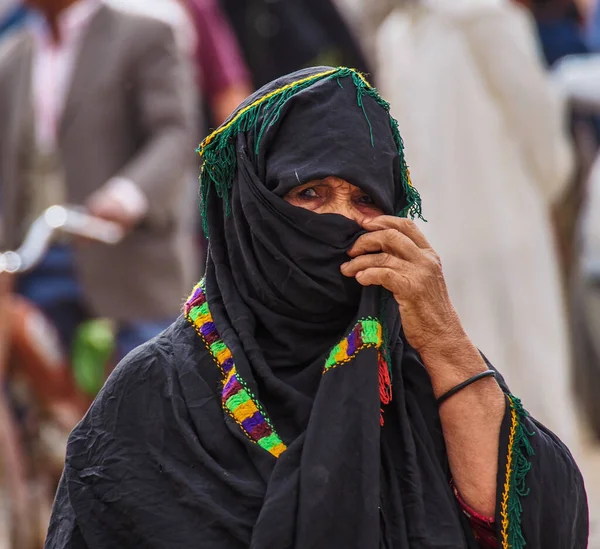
130 112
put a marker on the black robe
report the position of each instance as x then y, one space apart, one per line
156 463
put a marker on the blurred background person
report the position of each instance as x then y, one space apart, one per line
281 36
578 76
97 109
570 33
365 18
560 26
221 75
12 15
205 37
207 42
592 28
490 154
172 12
221 70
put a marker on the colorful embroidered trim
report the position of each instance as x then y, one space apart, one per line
237 399
218 150
368 332
517 467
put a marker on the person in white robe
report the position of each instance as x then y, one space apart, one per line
488 148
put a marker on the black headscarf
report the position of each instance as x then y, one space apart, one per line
266 418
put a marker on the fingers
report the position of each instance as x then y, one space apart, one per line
369 261
389 241
400 224
398 283
394 274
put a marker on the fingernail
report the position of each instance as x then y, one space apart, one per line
344 265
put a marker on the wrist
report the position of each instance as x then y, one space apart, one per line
448 344
451 360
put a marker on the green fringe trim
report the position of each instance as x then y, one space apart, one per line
515 488
413 200
218 150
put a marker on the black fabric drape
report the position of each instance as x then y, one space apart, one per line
157 463
255 421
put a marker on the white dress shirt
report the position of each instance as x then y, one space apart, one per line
53 68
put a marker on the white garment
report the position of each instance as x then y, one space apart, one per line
171 12
365 18
467 7
487 149
53 67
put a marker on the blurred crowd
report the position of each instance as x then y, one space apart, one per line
102 103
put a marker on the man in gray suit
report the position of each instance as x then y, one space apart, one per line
96 108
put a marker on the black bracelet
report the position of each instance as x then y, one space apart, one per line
461 386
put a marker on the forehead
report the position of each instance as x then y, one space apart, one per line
333 182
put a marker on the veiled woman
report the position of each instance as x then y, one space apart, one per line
319 391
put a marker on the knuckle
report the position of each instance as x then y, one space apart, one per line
433 260
384 260
393 238
409 224
408 285
389 277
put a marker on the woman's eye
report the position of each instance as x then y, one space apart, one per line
366 199
310 192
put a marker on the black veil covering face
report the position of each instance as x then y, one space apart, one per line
256 420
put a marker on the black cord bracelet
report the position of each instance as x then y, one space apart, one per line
461 386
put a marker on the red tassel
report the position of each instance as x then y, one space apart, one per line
385 384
